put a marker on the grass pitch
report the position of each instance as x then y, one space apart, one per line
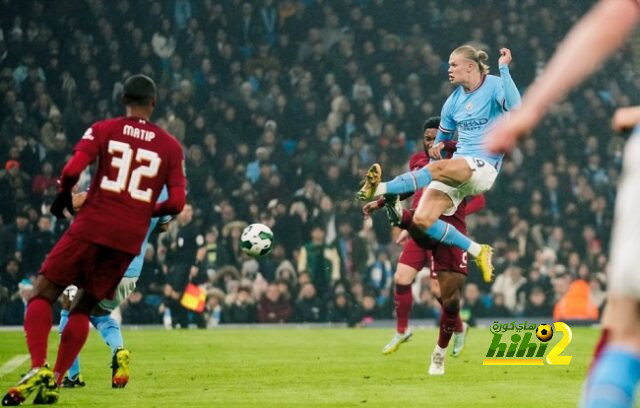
294 367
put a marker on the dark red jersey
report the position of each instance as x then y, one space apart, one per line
135 160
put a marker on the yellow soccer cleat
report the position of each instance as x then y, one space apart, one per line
40 379
370 183
484 262
120 368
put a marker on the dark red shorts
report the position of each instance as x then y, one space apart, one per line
95 268
445 258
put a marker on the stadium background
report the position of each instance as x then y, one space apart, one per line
281 106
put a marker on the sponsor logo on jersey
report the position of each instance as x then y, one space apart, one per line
472 124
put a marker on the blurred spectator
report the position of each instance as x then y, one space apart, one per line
135 311
309 307
320 261
273 307
17 305
241 308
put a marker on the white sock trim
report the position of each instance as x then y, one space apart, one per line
474 249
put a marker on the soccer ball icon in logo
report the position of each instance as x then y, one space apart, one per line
544 332
256 240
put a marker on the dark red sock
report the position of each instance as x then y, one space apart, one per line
403 302
602 343
447 327
73 338
37 325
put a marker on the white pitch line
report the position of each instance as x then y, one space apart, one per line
12 364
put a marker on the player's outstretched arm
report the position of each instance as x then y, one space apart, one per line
591 40
512 96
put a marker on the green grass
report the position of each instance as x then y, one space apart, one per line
294 367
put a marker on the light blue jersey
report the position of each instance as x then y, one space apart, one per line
472 113
135 267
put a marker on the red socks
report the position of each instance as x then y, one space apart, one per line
448 325
37 325
403 303
73 338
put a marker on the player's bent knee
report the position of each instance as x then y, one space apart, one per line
404 275
423 221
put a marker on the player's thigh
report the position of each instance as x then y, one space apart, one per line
433 203
44 288
65 263
109 268
83 303
452 171
623 276
124 289
450 264
411 260
451 284
624 321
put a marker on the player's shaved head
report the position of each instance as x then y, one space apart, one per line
139 90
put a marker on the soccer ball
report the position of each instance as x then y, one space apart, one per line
544 332
256 240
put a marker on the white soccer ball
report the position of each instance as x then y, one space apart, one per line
256 240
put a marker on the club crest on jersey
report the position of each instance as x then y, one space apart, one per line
88 134
468 107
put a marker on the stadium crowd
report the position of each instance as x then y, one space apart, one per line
281 106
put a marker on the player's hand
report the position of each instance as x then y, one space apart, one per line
78 199
435 152
504 136
370 207
625 118
62 201
505 56
403 237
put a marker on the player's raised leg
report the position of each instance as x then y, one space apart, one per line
432 205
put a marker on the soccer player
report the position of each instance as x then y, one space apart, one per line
448 263
597 35
101 315
474 105
136 159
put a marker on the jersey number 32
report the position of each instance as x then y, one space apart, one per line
123 156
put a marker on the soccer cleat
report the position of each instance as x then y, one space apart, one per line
437 363
73 382
120 368
483 261
370 183
396 341
40 379
394 209
458 340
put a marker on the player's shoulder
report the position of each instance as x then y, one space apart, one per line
418 160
